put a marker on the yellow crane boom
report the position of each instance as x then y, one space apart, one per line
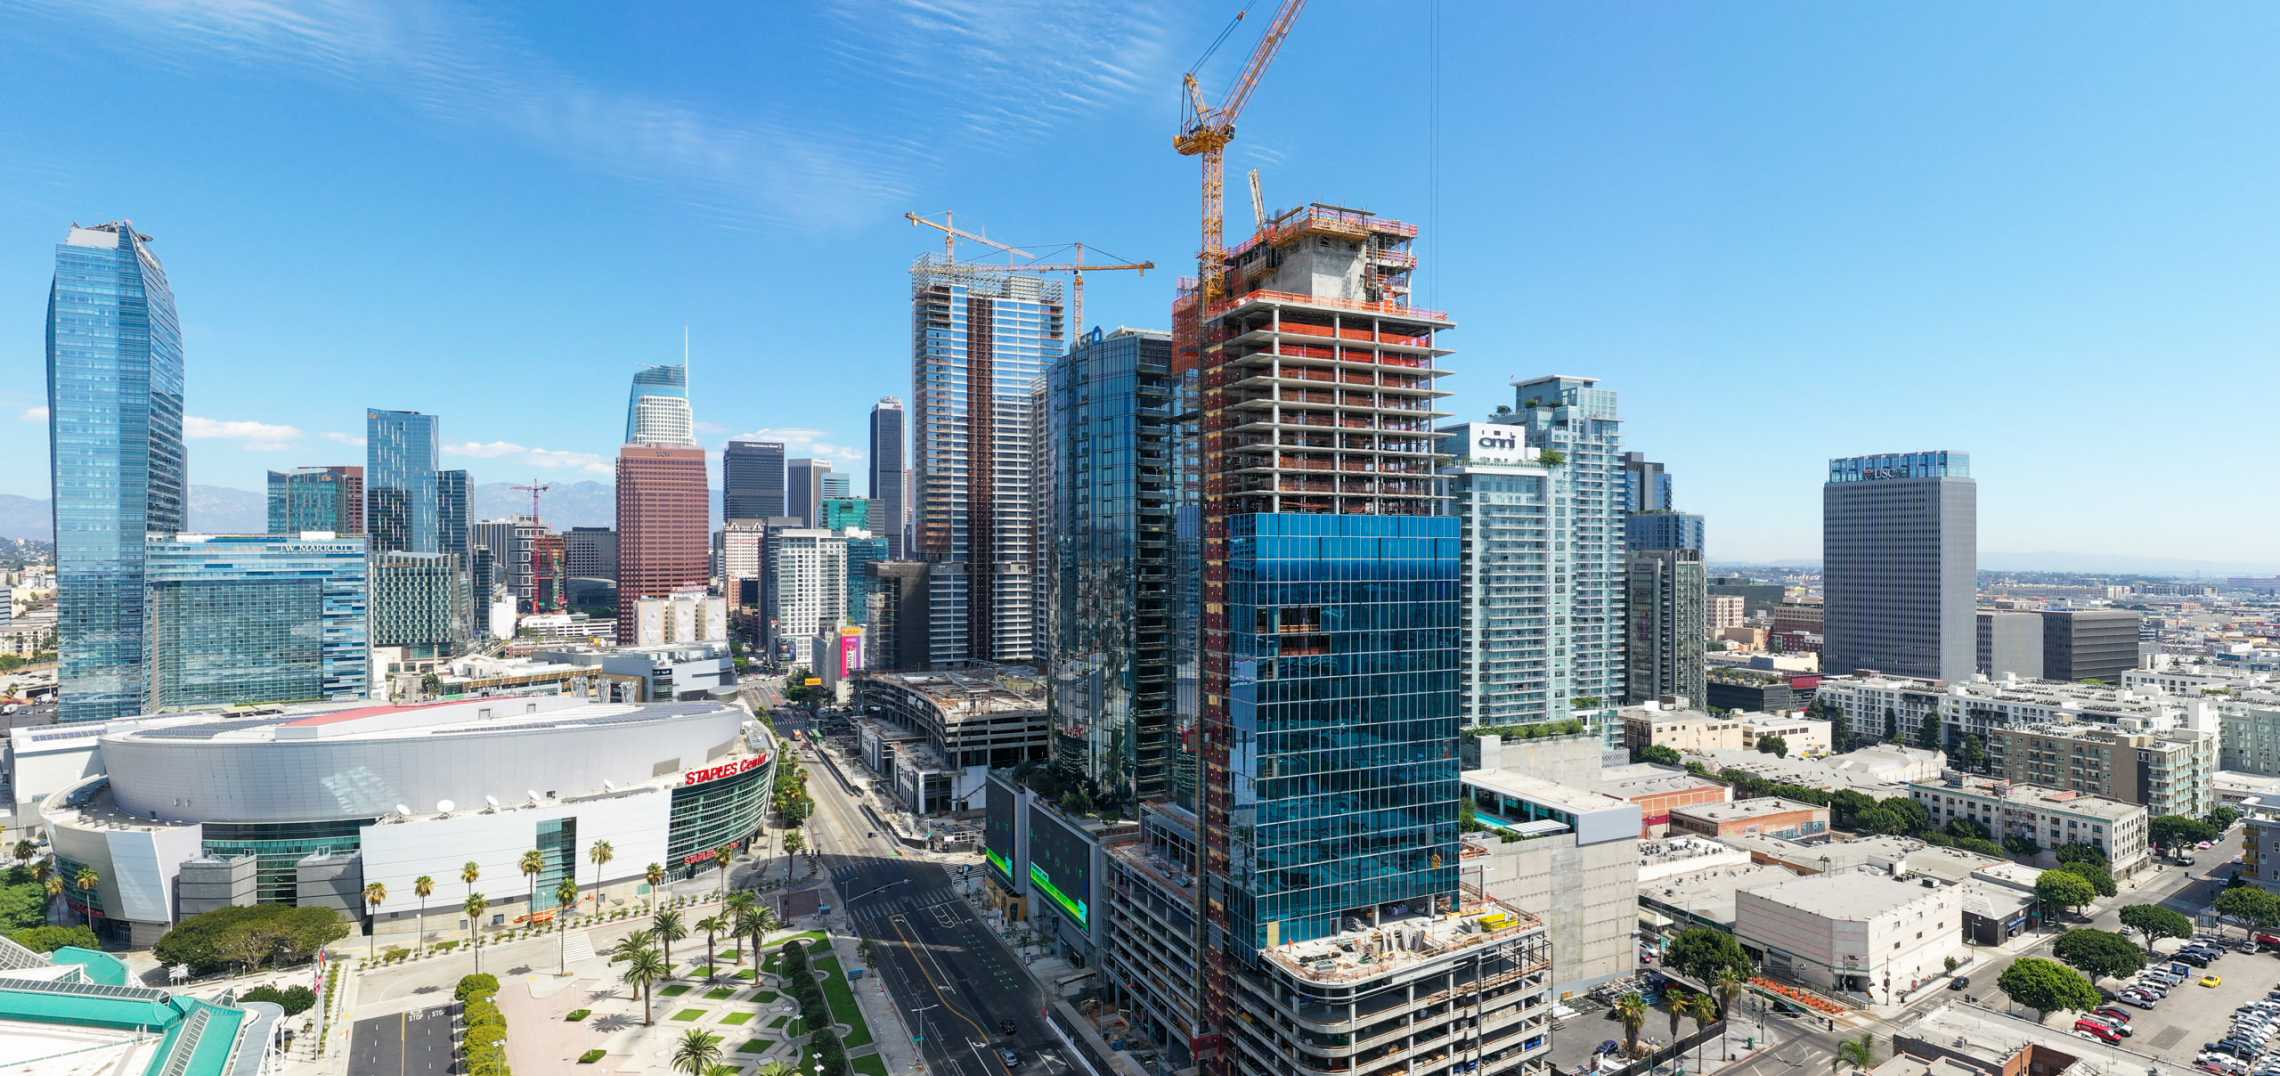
1205 132
1076 269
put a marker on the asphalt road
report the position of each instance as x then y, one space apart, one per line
953 979
416 1043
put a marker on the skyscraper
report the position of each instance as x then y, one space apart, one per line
402 494
807 591
1574 425
1109 560
657 407
117 469
888 515
751 480
803 490
980 339
512 543
1515 620
256 618
1667 606
317 499
843 513
1331 624
453 502
1900 565
663 524
420 601
590 553
834 485
1646 486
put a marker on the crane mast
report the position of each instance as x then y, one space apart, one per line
1206 131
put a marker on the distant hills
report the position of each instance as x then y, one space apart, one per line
223 510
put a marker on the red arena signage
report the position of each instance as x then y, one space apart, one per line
725 769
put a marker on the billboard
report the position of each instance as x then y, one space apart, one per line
850 651
1060 865
997 830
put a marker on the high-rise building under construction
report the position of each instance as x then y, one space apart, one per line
980 340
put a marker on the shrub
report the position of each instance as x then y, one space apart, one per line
295 1000
478 983
49 939
480 1012
589 1057
576 1015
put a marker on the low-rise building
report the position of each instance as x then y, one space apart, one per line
1859 934
2167 772
975 719
1752 690
1568 855
1661 724
76 1011
1770 815
2050 817
1658 790
1884 707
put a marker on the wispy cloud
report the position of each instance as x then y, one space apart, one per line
551 459
36 413
249 435
340 438
802 441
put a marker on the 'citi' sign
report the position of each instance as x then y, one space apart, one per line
725 769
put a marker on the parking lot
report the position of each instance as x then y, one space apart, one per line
2176 1027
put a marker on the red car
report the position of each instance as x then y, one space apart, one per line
2269 941
2098 1030
2112 1015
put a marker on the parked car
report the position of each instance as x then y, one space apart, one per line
2111 1014
2212 981
2139 1000
2092 1029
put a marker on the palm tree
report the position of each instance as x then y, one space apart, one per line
375 895
422 886
1729 990
777 1068
533 864
468 873
642 970
698 1052
600 855
475 906
711 925
723 1070
1631 1009
793 842
655 876
722 859
53 885
565 895
1860 1053
85 881
1671 1008
1704 1012
666 925
733 910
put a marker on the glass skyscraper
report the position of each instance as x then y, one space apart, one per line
256 618
453 498
1575 425
841 513
402 494
1109 564
888 516
657 407
1515 668
118 471
751 480
317 499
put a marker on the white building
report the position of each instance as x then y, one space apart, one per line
688 615
808 595
1857 933
743 550
1880 707
1569 855
2047 816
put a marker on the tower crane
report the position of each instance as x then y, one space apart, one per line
1076 269
534 488
1258 202
1206 130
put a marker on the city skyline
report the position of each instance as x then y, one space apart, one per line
1775 244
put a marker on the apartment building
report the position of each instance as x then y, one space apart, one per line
1881 707
2050 817
1683 730
2165 772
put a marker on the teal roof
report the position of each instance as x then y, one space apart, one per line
211 1056
100 967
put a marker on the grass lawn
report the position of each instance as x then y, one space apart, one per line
719 993
779 1021
700 971
688 1014
676 990
735 1018
869 1066
731 955
747 975
754 1046
842 1000
763 997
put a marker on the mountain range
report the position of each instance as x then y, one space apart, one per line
223 510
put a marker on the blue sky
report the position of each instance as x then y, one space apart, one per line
2043 233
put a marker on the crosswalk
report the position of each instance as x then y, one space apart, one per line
939 907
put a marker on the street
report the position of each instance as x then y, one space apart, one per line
416 1043
955 982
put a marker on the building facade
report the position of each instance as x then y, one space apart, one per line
2167 772
401 488
1665 530
657 408
1665 613
1725 611
590 553
1515 621
803 490
899 629
2089 644
684 616
1576 422
663 524
422 602
1570 856
2011 644
980 340
317 499
1900 565
1109 560
454 501
117 467
2050 817
1860 934
256 618
1646 486
751 480
807 591
888 457
844 513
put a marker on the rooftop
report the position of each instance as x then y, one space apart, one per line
1992 1036
1709 894
1646 779
1850 896
2051 799
1402 942
1548 793
976 690
480 716
1744 810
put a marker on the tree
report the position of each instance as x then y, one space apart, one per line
1659 754
2101 880
1846 807
2077 852
2046 986
793 842
599 854
1700 953
1928 733
754 923
1770 744
2100 954
654 874
249 937
1964 829
1860 1053
565 898
1974 753
85 880
697 1053
2060 890
375 895
712 925
24 852
1728 990
2173 831
1704 1012
474 907
533 864
2220 818
642 970
2019 844
667 927
48 939
2250 905
1631 1009
721 859
422 887
2154 921
1883 821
